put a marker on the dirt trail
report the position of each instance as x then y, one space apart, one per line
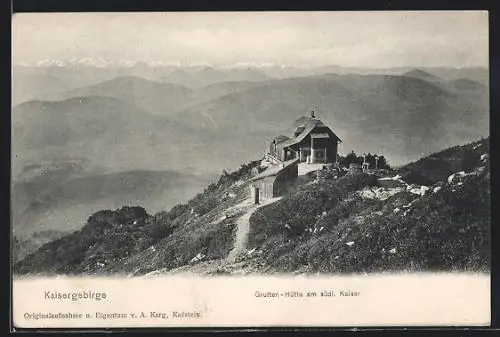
228 264
242 229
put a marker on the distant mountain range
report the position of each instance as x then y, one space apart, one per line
104 62
115 134
65 205
53 76
146 94
48 82
420 74
162 98
76 155
402 116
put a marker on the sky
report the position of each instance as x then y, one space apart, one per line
307 39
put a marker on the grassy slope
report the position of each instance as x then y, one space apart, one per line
439 166
111 241
441 231
22 245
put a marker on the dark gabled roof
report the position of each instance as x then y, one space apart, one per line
280 139
309 124
299 129
274 170
304 121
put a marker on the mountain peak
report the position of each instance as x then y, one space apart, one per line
467 84
420 74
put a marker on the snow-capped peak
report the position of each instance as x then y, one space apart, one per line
99 62
48 63
103 62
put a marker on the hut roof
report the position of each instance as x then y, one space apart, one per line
304 121
309 125
281 138
274 170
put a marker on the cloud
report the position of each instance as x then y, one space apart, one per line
308 38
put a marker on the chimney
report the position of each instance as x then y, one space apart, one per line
312 114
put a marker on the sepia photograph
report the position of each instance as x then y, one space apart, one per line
237 149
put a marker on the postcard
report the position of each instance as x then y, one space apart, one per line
250 169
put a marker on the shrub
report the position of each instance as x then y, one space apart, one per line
204 205
243 172
108 235
160 230
470 160
353 158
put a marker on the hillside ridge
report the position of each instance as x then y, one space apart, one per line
431 214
